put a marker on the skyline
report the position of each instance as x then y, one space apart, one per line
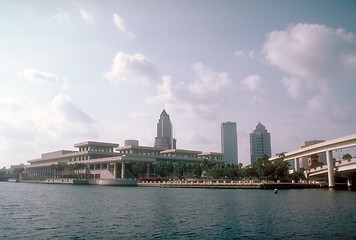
74 71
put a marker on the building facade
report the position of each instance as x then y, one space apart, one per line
105 163
229 142
260 142
164 139
314 160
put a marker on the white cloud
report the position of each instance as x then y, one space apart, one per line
203 97
251 54
131 68
60 17
165 91
121 25
313 52
240 53
59 121
86 16
323 107
36 76
140 115
292 85
63 105
253 83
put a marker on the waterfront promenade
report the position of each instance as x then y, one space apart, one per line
232 184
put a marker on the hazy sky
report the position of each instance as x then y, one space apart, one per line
73 71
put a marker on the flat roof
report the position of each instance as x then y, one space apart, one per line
96 144
135 147
211 154
180 151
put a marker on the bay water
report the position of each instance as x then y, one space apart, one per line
50 211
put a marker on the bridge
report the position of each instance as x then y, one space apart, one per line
345 167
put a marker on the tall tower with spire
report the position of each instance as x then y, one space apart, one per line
164 139
260 142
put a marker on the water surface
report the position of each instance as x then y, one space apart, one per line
49 211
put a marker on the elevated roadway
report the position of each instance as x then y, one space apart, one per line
327 147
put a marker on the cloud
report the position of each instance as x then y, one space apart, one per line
63 105
36 76
86 16
120 24
292 85
140 115
313 52
131 68
323 107
251 54
39 128
202 97
240 53
56 122
60 18
253 83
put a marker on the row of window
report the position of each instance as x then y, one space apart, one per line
139 152
95 149
74 159
169 154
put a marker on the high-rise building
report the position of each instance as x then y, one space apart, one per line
313 160
260 143
229 142
164 139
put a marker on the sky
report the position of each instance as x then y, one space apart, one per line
74 71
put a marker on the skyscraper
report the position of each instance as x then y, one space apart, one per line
260 143
164 139
229 142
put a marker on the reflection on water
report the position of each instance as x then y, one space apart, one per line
41 211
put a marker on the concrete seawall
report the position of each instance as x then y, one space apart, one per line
230 185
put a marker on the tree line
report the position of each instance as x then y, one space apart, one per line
262 169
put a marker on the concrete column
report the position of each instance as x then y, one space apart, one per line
296 165
349 182
331 175
122 170
115 170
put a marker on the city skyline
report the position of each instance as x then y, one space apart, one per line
74 71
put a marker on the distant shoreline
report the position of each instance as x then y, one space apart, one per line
232 185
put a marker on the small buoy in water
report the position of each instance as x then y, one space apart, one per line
276 191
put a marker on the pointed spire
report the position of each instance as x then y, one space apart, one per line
164 112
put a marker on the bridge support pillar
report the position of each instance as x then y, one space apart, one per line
122 170
296 165
349 182
331 175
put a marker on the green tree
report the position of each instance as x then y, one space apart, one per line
76 167
279 170
347 156
58 168
232 171
139 169
180 169
197 170
216 172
